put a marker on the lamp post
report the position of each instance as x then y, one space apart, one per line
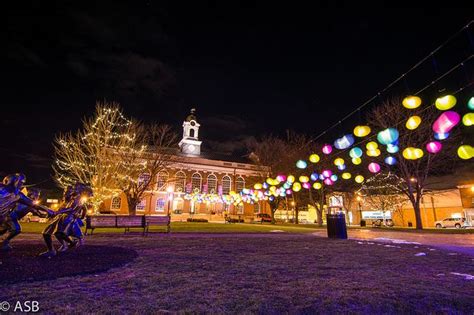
360 209
293 206
170 191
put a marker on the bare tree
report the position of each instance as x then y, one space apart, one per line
413 174
88 155
145 163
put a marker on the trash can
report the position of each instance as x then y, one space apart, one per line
362 223
336 226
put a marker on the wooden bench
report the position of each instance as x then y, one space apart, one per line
126 221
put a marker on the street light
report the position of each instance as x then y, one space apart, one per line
293 206
170 191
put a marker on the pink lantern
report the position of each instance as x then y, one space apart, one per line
433 146
374 167
446 121
328 181
288 191
327 149
281 178
307 185
327 173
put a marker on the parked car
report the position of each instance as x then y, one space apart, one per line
450 222
379 223
264 217
33 218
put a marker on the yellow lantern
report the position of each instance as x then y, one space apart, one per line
468 119
269 181
272 188
314 158
411 153
359 179
375 152
257 186
361 131
317 185
411 102
290 179
346 175
466 152
356 161
339 161
446 102
296 187
413 122
304 179
372 145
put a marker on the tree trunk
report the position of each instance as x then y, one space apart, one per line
296 216
132 205
419 223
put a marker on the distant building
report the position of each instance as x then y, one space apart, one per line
201 184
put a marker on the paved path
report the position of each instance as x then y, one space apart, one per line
462 243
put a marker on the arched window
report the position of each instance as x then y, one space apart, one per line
116 203
256 207
191 133
160 205
196 181
212 184
240 209
239 184
141 205
226 185
143 179
180 181
161 180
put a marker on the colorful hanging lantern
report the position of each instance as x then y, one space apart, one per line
304 179
433 147
265 185
411 153
327 149
466 152
470 103
355 152
391 148
356 161
374 167
341 167
390 160
344 142
281 178
333 177
321 177
290 179
301 164
446 121
446 102
257 186
327 173
361 131
373 153
289 191
441 136
468 119
269 181
314 158
387 136
359 179
372 145
296 187
314 177
317 185
328 181
411 102
339 161
306 185
413 122
346 175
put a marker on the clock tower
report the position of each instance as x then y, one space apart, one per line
190 143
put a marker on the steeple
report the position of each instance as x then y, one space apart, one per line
190 143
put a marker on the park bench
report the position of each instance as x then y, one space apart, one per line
126 222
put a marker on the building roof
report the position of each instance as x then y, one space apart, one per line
192 115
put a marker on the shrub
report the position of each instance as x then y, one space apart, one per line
196 220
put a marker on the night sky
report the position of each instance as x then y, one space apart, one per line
248 69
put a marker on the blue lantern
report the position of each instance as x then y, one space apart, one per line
391 148
333 177
387 136
301 164
355 152
314 176
441 136
341 167
390 160
344 142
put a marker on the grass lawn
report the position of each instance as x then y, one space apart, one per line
255 273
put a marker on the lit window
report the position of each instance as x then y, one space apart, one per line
226 185
143 179
161 180
196 181
160 205
256 208
141 205
239 184
116 203
240 209
212 184
180 181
